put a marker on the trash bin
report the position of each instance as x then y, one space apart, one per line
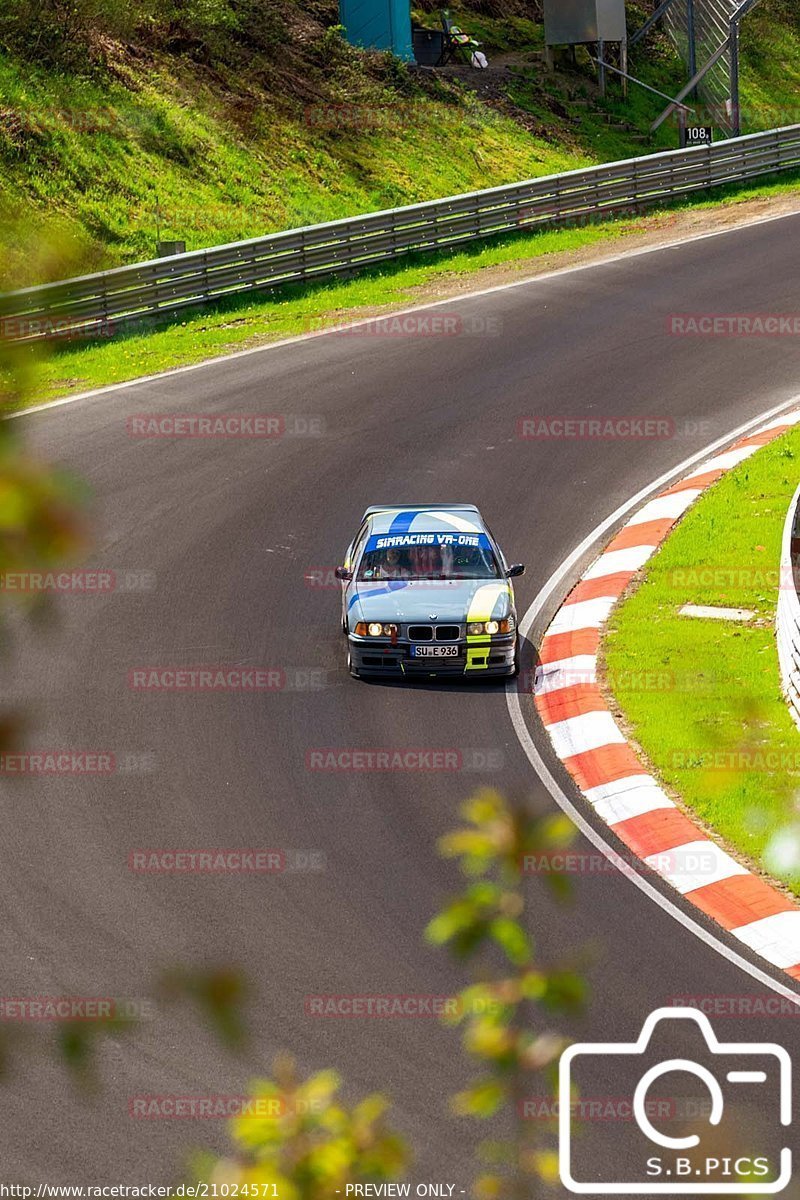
428 46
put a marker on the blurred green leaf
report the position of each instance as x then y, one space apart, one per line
504 844
512 938
483 1099
219 994
297 1134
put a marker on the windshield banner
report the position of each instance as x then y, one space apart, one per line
387 541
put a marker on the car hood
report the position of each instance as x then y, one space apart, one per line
451 600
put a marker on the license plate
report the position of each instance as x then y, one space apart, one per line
434 651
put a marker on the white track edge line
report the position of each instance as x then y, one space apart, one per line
489 291
543 771
512 697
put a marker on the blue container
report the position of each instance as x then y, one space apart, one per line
378 25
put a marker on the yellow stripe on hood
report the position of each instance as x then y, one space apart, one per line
482 608
486 596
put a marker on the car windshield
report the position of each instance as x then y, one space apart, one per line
428 556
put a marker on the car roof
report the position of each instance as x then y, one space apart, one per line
430 518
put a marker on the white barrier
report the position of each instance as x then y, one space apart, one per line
787 620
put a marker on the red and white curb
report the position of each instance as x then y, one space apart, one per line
598 756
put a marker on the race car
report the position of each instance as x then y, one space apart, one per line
426 591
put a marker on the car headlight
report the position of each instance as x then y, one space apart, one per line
375 629
491 627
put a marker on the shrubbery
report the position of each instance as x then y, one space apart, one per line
71 32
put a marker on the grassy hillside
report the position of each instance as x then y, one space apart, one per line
215 120
770 83
162 142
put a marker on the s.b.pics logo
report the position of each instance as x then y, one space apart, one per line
720 1127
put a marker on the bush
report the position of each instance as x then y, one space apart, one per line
67 32
61 31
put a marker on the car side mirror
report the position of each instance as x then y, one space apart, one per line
343 573
515 569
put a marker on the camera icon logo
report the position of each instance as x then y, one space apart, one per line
662 1164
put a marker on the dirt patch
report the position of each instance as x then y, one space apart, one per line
653 231
648 232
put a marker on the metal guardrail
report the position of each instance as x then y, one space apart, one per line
787 620
109 299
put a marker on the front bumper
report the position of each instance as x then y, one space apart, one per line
475 658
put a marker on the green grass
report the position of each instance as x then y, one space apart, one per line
714 723
107 166
770 80
245 321
97 164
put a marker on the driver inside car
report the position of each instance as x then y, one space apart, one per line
392 567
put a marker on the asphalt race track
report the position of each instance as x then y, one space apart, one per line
230 528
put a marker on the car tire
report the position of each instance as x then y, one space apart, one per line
350 666
515 672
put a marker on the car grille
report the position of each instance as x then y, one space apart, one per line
447 633
427 633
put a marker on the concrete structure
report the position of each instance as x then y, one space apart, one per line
577 22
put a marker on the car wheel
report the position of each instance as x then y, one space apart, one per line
515 672
350 666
